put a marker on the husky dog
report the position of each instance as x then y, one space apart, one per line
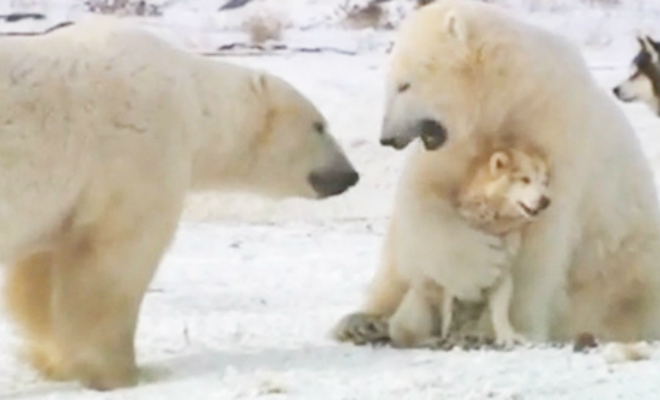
506 192
644 82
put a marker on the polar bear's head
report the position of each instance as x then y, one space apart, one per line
454 69
295 154
265 137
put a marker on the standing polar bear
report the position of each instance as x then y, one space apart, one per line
464 77
103 129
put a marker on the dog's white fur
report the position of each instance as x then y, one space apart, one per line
591 262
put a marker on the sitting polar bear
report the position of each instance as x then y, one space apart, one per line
103 130
464 76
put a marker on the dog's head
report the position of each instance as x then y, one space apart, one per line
643 84
512 184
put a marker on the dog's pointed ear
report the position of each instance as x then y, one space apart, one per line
650 47
647 44
640 40
656 45
259 83
500 161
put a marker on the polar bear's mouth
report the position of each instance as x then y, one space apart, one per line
433 134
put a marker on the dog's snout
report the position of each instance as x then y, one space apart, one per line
333 182
432 133
544 203
617 91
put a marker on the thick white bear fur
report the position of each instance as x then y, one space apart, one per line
591 262
103 130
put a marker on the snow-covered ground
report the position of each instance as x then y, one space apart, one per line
241 312
243 302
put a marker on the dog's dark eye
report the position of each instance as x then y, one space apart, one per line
319 127
403 87
526 180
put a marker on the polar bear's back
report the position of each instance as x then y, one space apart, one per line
77 52
72 102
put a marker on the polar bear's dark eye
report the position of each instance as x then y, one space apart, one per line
319 127
526 180
403 87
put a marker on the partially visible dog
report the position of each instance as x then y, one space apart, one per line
643 84
507 190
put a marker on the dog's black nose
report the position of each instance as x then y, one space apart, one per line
616 91
544 203
433 134
333 182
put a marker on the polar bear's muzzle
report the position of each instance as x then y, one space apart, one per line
334 181
432 133
397 143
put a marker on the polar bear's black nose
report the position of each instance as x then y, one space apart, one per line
388 142
396 143
333 182
433 134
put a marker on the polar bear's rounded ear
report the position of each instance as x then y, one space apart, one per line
259 83
455 26
499 162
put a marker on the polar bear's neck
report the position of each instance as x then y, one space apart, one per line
229 117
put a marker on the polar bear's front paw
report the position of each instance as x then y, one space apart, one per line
47 361
462 341
104 379
509 339
361 328
437 343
